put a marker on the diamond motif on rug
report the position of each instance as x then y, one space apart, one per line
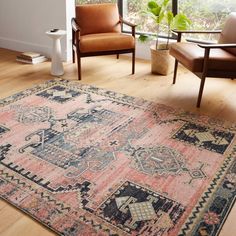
136 209
59 94
160 160
210 139
142 211
29 115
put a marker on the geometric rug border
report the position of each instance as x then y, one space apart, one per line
193 220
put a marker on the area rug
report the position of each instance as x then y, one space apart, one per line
87 161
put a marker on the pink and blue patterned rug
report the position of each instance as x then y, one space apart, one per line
87 161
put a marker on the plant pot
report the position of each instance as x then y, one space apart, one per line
161 61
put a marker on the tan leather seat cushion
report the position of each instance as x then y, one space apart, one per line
106 42
191 56
98 18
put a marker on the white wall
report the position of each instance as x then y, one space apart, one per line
23 24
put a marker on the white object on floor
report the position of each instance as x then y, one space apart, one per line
57 66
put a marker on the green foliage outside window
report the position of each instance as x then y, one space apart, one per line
207 14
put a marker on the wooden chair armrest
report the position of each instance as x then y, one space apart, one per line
180 32
129 24
208 47
75 26
212 46
197 31
75 32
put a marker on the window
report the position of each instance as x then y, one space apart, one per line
132 11
205 14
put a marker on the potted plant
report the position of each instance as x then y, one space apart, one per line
162 62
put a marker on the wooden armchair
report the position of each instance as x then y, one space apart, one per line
208 60
96 31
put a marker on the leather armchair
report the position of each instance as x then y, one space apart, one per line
96 30
208 60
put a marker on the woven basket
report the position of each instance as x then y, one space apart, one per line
162 62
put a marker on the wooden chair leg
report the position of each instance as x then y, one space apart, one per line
133 62
201 91
79 65
117 56
175 71
203 76
73 55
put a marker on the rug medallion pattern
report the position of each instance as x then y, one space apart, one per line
86 161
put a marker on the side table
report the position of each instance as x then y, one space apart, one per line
57 66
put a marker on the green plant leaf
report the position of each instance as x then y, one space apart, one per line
156 11
152 4
169 17
144 38
165 3
181 22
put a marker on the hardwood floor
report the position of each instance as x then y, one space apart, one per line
219 100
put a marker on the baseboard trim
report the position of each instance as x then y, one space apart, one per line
22 46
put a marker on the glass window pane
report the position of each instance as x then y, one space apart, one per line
207 14
132 11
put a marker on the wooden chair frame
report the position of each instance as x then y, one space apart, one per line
205 72
76 47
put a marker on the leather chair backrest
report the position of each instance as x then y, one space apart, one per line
98 18
228 34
